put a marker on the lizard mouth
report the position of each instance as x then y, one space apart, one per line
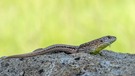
109 44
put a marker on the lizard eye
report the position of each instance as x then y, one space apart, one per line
101 40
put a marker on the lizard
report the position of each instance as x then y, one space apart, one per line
92 47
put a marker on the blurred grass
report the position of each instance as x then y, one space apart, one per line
29 24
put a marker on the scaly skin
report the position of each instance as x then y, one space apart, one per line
93 47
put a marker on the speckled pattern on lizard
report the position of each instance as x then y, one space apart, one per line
92 47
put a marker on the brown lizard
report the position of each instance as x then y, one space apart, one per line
94 47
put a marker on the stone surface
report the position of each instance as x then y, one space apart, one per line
79 64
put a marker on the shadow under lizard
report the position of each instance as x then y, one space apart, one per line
93 47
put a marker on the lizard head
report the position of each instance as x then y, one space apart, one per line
102 43
97 45
106 40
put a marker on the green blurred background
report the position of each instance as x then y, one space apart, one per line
26 25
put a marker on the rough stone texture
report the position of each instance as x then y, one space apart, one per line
79 64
